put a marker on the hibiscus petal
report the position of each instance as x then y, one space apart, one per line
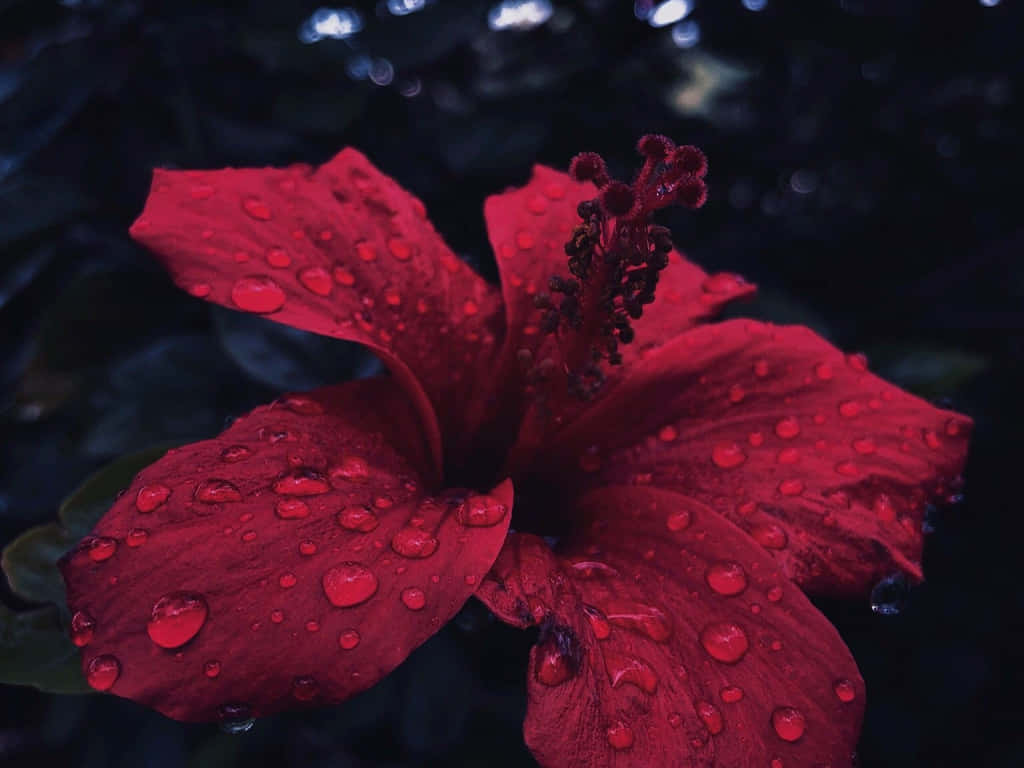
528 228
670 638
295 559
343 251
827 466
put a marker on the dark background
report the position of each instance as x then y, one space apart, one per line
865 171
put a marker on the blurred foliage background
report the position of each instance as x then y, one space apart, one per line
865 172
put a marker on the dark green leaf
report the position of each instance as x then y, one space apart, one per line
35 650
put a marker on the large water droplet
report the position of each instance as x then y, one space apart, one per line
302 482
620 736
353 469
413 598
552 667
630 670
176 618
481 511
360 519
414 542
598 622
257 294
215 491
349 584
728 455
642 618
151 496
890 595
726 577
724 641
82 627
103 672
789 723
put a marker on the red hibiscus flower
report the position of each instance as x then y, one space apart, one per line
698 478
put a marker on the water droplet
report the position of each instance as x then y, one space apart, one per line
761 368
788 455
343 277
256 208
537 205
726 577
824 371
638 617
136 537
791 487
931 439
668 433
215 491
756 439
249 536
307 547
413 542
234 453
524 240
849 409
302 482
82 628
176 618
316 280
257 294
413 598
348 639
731 694
360 519
554 190
312 625
101 548
470 308
728 455
287 580
304 688
620 736
769 535
889 595
103 672
678 520
278 258
399 248
349 584
598 622
211 669
884 508
858 361
481 511
151 496
277 616
353 469
844 690
711 716
847 469
624 670
736 394
787 428
235 719
724 641
774 594
789 723
865 446
291 509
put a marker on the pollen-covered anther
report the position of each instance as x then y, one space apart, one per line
589 166
655 146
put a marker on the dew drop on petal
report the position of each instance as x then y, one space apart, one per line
256 208
711 716
307 547
151 496
413 598
348 639
103 672
358 518
865 446
620 736
176 618
598 622
287 580
211 669
728 455
678 520
277 616
414 542
136 537
481 511
101 548
848 409
400 248
624 670
724 641
349 584
316 280
844 690
82 627
791 487
789 723
234 453
215 491
731 694
302 482
726 577
769 535
257 294
278 258
824 371
304 688
353 469
291 509
787 428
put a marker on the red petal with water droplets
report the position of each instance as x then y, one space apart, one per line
668 637
528 228
829 467
343 251
295 559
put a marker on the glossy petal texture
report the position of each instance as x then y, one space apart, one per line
668 637
528 228
294 559
343 251
826 465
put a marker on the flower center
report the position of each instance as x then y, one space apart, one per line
615 256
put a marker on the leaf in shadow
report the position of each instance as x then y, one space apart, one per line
35 650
